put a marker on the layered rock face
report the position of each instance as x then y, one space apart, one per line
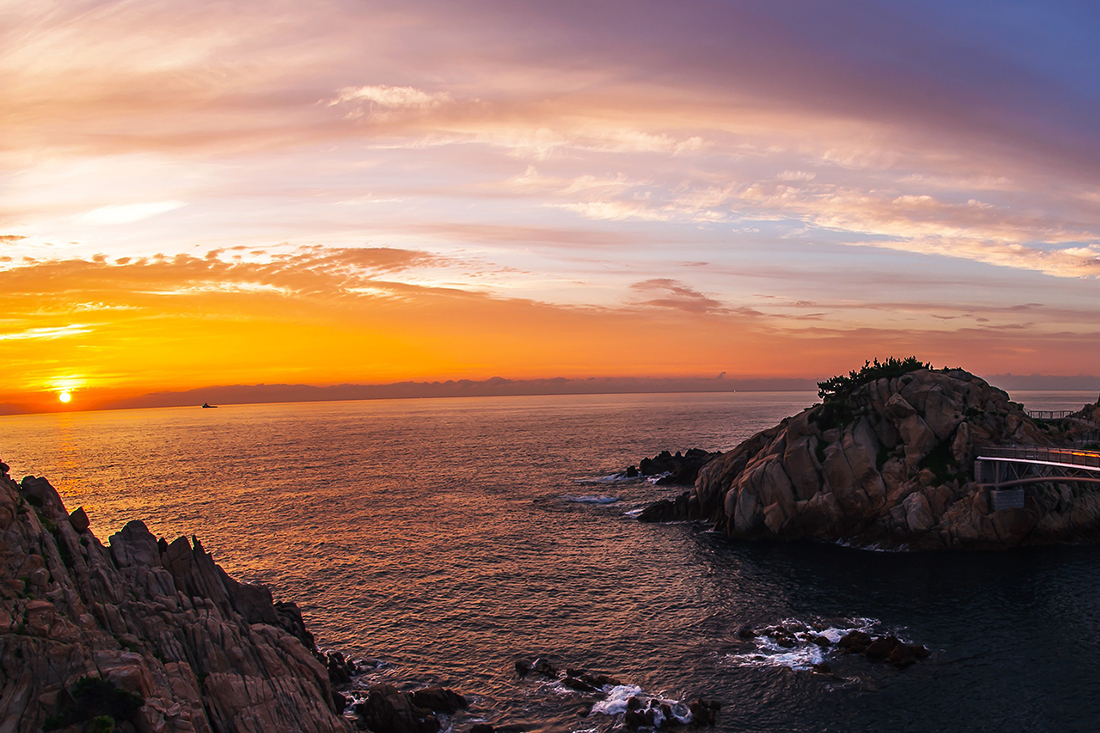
160 620
890 465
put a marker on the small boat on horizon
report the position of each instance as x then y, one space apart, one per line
208 406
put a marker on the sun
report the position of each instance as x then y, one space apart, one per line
64 396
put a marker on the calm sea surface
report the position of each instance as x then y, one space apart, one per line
448 537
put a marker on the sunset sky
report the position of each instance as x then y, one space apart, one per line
208 193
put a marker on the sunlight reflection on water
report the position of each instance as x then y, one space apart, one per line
446 537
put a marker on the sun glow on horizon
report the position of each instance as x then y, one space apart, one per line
65 397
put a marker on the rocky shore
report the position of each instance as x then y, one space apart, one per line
888 462
142 634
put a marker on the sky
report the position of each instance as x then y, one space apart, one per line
211 193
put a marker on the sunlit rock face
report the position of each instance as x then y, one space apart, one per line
163 622
891 465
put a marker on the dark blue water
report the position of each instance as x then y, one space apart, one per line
449 537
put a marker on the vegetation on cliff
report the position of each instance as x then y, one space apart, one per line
842 386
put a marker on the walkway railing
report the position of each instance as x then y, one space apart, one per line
1035 454
1049 414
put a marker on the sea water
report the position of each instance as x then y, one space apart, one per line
443 539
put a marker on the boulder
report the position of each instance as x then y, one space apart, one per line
881 648
439 700
855 642
387 710
904 654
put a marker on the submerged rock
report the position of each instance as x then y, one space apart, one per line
890 463
161 623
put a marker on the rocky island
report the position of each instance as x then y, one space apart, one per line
887 460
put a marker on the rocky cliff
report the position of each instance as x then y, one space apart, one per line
890 463
141 634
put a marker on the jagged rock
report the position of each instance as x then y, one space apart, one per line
439 700
904 654
889 463
386 710
340 669
855 642
578 684
704 712
205 653
39 493
545 668
79 520
881 648
682 468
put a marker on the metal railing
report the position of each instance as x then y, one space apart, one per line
1037 454
1049 414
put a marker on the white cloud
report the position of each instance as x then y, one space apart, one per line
796 176
126 213
391 97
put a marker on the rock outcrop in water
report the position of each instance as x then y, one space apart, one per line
153 632
890 463
679 469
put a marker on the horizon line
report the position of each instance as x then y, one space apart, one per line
286 393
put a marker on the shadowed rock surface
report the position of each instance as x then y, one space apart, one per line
163 621
890 464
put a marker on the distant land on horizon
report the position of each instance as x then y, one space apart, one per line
492 387
501 387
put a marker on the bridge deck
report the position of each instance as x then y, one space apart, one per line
1061 457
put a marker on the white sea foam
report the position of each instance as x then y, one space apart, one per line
591 499
805 654
617 698
615 478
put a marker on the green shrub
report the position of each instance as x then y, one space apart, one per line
102 724
842 386
832 415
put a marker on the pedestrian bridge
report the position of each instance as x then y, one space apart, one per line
1005 470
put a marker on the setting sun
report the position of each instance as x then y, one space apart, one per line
64 397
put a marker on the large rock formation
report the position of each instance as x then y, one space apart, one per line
890 463
154 623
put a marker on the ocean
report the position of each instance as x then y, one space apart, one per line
442 539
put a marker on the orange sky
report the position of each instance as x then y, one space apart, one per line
199 193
